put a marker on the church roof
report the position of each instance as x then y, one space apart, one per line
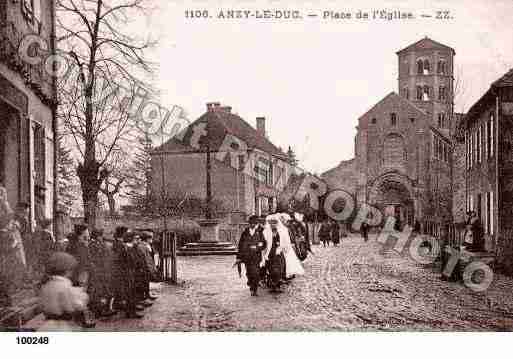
392 96
219 124
426 44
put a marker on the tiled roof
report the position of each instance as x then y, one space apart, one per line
219 124
426 44
505 81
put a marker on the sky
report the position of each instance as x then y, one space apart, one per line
312 78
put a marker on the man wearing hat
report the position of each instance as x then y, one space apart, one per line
251 246
100 286
147 250
62 304
124 273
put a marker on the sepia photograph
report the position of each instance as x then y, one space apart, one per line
255 166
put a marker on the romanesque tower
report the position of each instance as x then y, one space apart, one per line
426 78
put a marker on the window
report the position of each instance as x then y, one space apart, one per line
39 154
478 144
466 150
441 93
373 121
412 119
419 93
488 134
263 170
425 95
393 119
492 205
441 120
31 9
492 135
406 93
441 67
426 67
485 140
420 67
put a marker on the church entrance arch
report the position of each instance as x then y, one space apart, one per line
392 194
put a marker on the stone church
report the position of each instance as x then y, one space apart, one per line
402 161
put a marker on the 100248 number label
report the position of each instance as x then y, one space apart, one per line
32 340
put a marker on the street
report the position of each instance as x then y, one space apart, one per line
351 287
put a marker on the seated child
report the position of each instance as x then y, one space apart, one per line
62 304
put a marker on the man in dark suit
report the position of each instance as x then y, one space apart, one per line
123 275
251 245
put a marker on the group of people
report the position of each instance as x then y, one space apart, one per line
267 252
113 274
79 278
329 232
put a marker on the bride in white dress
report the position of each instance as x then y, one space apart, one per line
292 263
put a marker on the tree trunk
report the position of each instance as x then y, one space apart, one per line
90 180
112 204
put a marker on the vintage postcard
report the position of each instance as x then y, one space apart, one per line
255 166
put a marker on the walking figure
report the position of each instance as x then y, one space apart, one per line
365 231
325 233
251 246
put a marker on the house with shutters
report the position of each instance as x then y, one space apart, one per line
27 105
247 171
488 176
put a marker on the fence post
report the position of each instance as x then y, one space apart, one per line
174 274
169 271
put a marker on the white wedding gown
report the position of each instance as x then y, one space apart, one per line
292 263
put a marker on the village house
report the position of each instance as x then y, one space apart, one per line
27 107
248 171
488 131
403 143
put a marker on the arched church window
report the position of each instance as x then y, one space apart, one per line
442 93
425 94
419 93
420 67
393 119
441 67
406 93
441 120
426 67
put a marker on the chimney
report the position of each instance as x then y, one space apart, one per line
260 125
212 106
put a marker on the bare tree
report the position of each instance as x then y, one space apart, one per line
104 54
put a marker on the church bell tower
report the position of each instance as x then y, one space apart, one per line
426 78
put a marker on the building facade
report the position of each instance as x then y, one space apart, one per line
247 172
488 185
27 106
403 144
